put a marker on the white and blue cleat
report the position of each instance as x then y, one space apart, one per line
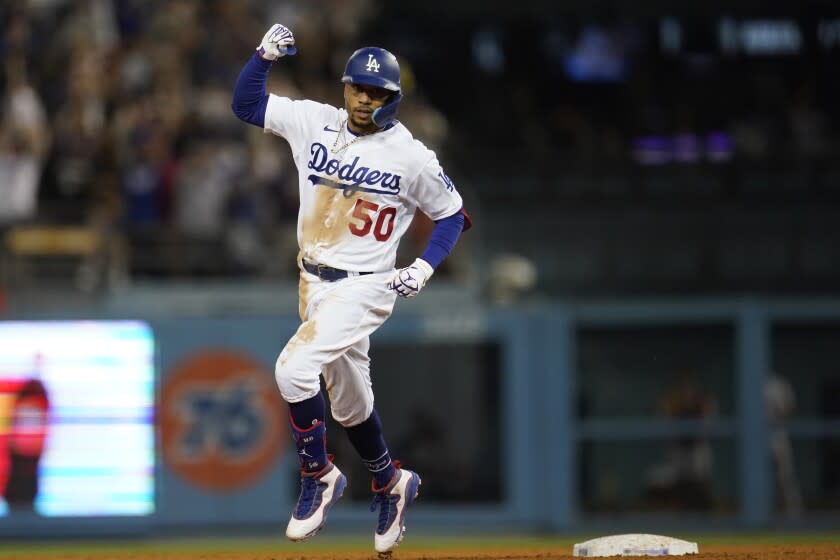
392 502
318 493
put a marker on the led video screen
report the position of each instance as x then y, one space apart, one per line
77 418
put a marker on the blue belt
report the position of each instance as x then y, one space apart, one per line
329 273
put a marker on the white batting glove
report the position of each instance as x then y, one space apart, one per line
408 281
278 41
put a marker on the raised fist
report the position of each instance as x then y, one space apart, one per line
408 281
277 42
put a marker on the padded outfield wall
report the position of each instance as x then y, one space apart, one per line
547 419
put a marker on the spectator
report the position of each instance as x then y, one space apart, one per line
24 141
781 405
683 479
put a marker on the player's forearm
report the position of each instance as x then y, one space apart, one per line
444 236
249 97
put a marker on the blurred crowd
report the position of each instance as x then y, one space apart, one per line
116 116
607 95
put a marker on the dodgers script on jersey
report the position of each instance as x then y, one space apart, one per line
358 194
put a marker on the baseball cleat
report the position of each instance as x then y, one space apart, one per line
392 502
318 492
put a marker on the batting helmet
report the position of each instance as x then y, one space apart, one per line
376 67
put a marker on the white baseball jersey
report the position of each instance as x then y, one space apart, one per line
358 194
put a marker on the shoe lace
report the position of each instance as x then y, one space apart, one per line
308 492
387 510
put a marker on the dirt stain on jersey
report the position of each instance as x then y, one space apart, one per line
304 335
330 217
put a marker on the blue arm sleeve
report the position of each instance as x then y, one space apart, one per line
444 236
249 97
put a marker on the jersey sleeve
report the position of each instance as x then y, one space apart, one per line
434 192
292 119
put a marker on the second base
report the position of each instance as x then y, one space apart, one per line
635 545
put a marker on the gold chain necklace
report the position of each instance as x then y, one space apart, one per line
343 135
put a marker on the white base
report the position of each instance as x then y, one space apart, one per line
635 545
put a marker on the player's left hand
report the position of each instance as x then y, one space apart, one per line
277 42
408 281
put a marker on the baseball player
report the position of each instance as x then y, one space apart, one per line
361 177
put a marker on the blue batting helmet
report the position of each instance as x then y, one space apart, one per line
376 67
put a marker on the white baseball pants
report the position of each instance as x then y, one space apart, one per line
333 340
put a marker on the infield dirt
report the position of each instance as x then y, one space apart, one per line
712 552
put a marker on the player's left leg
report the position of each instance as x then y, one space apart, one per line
351 398
392 501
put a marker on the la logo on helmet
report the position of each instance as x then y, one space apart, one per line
372 65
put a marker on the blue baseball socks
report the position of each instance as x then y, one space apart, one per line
369 442
310 432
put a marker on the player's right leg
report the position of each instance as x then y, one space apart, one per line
318 493
321 482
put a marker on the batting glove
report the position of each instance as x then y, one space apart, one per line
408 281
278 41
